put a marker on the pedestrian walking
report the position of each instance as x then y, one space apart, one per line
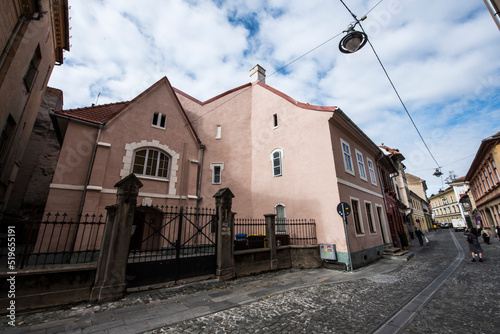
420 236
498 232
474 246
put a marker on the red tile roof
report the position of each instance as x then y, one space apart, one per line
95 114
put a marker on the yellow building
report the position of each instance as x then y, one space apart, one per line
445 208
33 35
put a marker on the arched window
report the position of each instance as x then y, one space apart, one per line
150 162
277 160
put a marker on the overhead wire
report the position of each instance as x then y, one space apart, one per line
288 64
390 80
275 72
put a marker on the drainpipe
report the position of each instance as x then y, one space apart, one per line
89 172
200 170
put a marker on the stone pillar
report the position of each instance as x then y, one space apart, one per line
225 235
271 239
110 276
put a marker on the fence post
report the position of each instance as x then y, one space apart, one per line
110 276
225 235
271 239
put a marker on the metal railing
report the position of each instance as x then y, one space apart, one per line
55 241
250 233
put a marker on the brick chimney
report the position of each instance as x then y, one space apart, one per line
257 73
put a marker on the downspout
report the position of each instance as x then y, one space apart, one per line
200 172
89 172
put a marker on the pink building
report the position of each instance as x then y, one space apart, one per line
277 155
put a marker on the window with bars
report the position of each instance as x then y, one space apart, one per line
151 162
217 169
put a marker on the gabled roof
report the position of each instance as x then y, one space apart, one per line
102 114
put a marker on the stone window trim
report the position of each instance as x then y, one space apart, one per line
217 168
127 160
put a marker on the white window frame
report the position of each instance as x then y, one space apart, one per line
218 132
361 165
148 152
213 168
159 116
347 156
371 170
368 216
280 164
360 216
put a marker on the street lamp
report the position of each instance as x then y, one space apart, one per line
353 41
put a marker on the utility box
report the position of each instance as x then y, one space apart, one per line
327 252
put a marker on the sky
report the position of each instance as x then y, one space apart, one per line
442 58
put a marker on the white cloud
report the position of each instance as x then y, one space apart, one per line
442 58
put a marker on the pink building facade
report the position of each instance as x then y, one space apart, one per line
275 154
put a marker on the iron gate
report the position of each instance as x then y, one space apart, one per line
171 243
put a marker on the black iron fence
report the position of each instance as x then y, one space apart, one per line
164 232
251 233
56 240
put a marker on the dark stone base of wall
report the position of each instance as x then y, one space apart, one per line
36 289
256 261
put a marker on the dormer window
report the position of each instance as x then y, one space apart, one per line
159 120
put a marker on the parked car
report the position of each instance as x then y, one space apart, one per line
444 225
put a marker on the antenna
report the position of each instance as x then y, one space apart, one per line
97 99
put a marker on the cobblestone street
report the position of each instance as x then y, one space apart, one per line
305 301
467 303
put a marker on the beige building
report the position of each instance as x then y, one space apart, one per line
421 214
275 154
484 181
445 207
33 35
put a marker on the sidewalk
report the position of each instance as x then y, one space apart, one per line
148 310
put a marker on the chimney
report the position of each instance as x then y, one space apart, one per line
257 73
